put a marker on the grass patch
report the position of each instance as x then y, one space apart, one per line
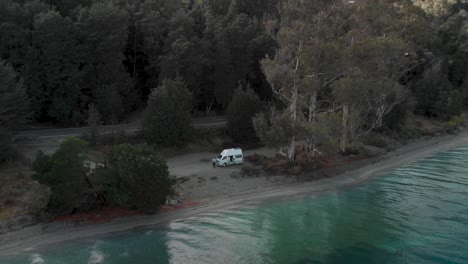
454 123
19 194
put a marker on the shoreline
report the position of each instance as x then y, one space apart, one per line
48 234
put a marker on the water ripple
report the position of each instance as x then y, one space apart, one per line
415 214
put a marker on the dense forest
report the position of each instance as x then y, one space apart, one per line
302 76
71 54
368 62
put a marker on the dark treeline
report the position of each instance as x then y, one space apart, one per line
71 54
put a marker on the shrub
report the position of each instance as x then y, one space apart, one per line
353 150
42 164
243 107
64 173
436 97
455 122
136 178
375 140
167 117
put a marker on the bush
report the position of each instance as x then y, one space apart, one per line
243 107
436 97
375 140
395 120
455 122
353 150
64 173
136 178
167 119
42 164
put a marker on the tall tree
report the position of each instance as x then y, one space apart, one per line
64 173
154 18
167 116
103 28
137 178
295 72
245 104
52 72
185 53
13 101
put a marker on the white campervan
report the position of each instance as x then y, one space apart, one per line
232 156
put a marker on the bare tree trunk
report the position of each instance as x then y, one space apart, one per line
292 145
344 129
292 148
311 120
293 109
208 109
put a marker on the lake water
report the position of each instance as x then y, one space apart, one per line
415 214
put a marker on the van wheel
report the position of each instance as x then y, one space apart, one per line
224 165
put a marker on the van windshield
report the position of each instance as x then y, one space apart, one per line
220 156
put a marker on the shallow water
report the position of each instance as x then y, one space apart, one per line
415 214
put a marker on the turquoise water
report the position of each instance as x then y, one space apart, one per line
416 214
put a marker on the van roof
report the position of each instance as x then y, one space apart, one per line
232 149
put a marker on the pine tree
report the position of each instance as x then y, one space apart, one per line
244 105
167 117
13 102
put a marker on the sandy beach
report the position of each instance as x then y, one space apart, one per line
254 191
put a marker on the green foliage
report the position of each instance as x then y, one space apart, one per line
436 96
103 27
395 120
64 173
455 122
326 131
94 121
13 102
437 7
167 116
274 130
52 76
112 54
375 140
243 107
136 178
42 164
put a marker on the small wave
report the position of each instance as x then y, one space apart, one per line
97 257
37 259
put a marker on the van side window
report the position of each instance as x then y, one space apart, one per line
224 157
238 156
